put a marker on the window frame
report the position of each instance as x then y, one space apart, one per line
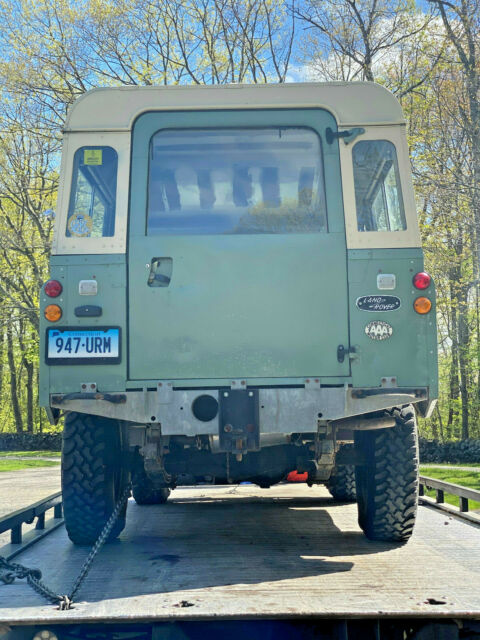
72 245
378 188
152 120
410 237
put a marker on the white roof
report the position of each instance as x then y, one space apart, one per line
116 108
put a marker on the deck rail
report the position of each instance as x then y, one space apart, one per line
14 521
441 488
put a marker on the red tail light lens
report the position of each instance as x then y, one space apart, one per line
422 280
53 288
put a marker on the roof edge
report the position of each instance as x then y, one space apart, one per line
116 108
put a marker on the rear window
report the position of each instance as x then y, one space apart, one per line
91 212
229 181
378 194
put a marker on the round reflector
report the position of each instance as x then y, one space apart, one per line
53 312
53 288
422 305
421 280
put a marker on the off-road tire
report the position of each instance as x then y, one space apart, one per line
93 477
387 486
341 483
145 493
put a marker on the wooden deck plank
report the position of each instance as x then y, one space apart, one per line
244 552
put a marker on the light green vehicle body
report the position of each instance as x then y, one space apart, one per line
409 355
264 311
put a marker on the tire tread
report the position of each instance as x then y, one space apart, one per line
388 508
88 494
341 483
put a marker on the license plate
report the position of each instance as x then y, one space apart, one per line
99 345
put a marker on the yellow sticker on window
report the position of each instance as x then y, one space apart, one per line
92 156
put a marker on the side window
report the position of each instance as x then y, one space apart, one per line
378 194
91 211
236 181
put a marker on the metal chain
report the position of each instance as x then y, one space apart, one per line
102 538
42 589
11 570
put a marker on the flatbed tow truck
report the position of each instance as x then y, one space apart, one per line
242 562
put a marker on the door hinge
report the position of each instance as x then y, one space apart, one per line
342 351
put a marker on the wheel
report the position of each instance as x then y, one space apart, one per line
342 481
92 476
387 485
145 493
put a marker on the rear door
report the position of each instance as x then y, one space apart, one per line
237 256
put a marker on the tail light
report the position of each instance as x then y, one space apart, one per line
422 280
53 288
52 312
422 305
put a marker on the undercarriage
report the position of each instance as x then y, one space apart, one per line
372 458
242 454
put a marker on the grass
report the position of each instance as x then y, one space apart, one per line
30 454
17 465
452 464
469 479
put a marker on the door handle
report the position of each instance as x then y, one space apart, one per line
160 272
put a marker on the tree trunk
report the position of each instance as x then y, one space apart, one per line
30 371
440 422
454 276
2 346
463 340
17 414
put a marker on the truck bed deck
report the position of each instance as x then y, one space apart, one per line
241 552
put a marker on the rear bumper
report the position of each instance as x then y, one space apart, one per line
281 410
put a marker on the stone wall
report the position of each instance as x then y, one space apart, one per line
30 441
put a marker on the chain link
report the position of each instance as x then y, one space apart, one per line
102 538
11 570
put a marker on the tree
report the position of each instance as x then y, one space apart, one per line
353 40
52 51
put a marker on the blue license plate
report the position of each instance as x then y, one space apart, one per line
99 345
